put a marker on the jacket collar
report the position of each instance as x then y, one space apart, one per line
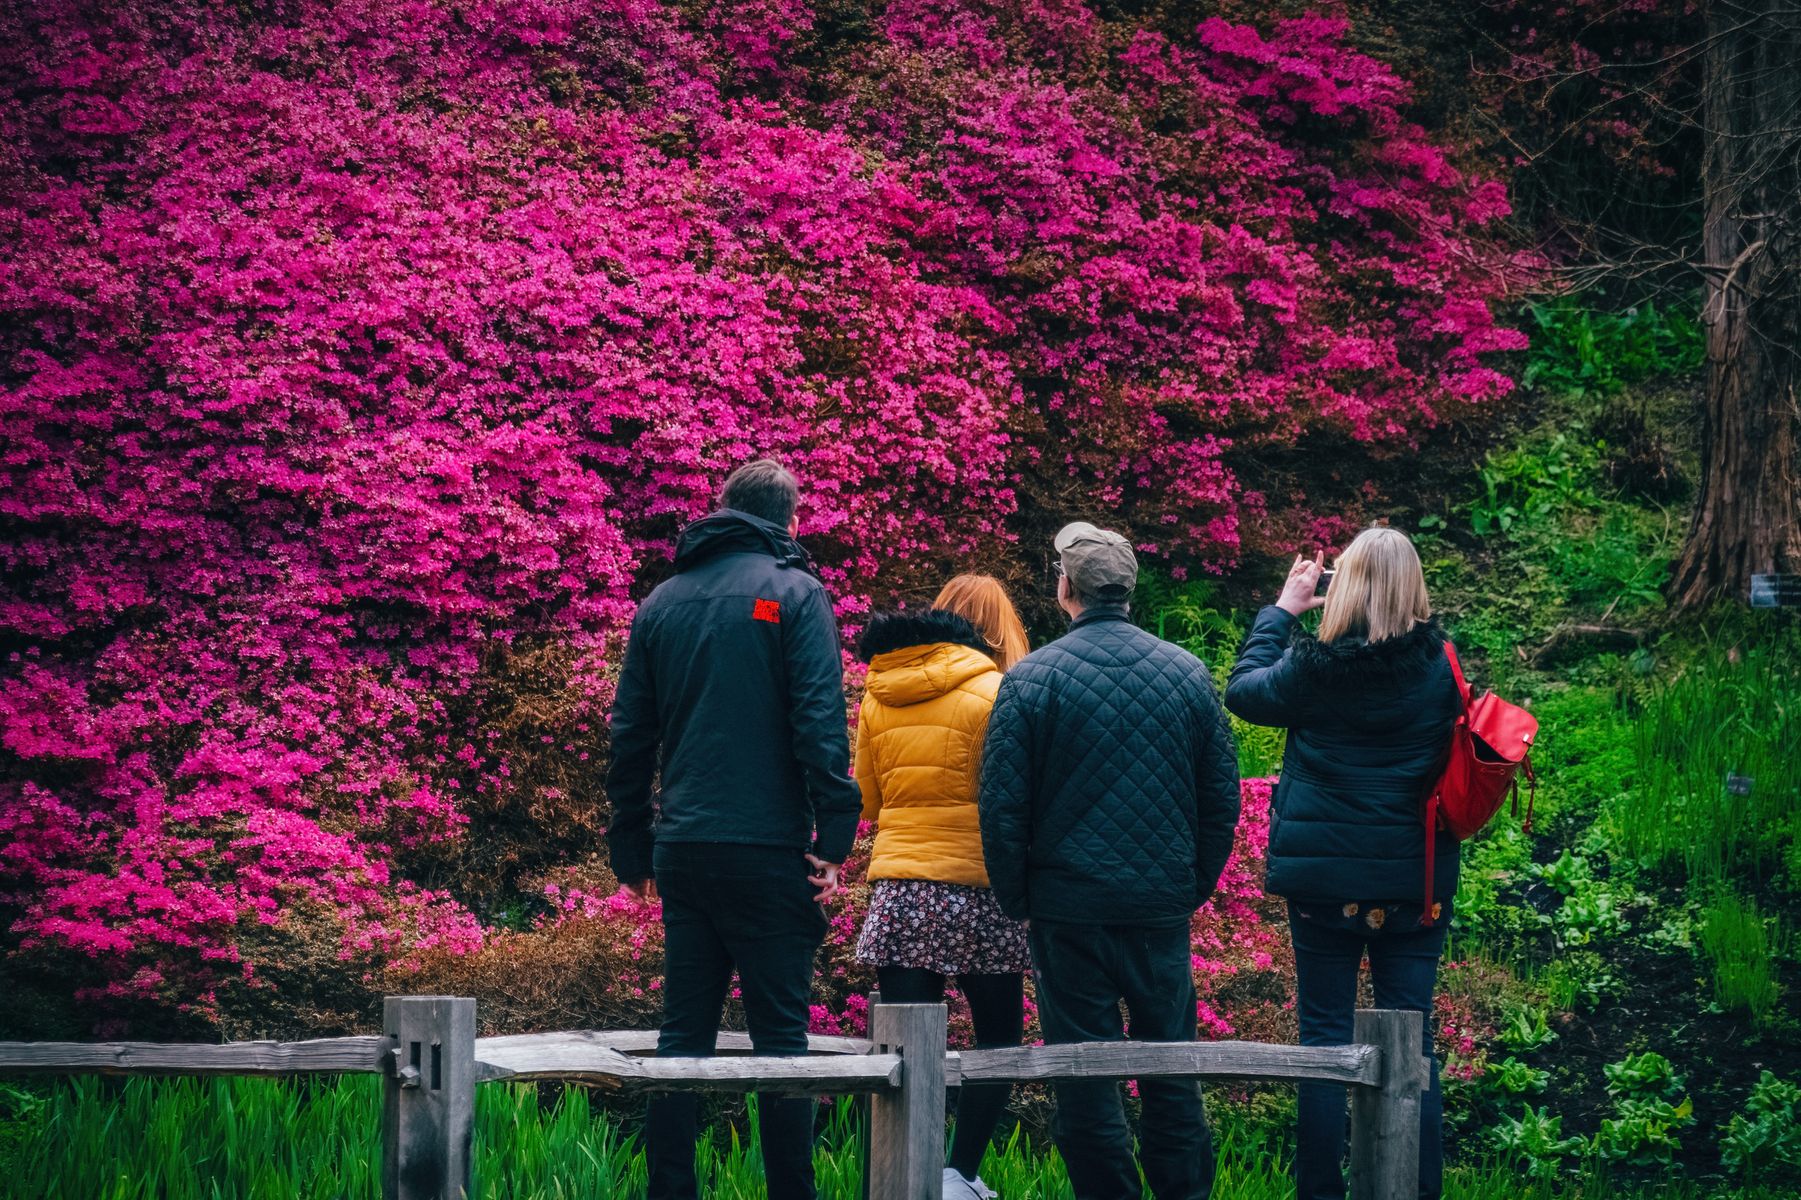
889 631
729 531
1102 612
1351 658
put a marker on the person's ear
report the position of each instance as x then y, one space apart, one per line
1062 588
794 525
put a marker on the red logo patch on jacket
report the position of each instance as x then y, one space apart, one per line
767 610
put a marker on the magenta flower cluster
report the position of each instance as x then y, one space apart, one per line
348 349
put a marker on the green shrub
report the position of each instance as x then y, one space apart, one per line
1584 752
1483 918
1193 615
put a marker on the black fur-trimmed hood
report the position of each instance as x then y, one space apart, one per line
897 630
1351 659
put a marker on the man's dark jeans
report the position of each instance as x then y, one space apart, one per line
750 907
1404 968
1082 974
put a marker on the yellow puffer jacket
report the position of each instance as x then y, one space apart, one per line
919 760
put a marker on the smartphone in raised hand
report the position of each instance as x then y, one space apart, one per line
1325 581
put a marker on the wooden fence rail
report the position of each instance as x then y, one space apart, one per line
431 1062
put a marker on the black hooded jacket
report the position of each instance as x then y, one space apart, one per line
1109 780
733 685
1368 724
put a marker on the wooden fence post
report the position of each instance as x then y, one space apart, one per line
866 1100
1385 1120
906 1126
428 1097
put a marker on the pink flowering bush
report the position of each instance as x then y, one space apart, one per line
359 360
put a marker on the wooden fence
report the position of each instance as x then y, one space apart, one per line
431 1062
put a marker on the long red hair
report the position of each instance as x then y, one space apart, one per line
984 603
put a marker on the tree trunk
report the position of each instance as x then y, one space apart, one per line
1748 515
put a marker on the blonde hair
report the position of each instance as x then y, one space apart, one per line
1379 591
983 602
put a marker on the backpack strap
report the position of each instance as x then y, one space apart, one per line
1431 817
1531 791
1463 685
1429 804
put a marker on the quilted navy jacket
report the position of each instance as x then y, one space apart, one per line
1368 724
1109 780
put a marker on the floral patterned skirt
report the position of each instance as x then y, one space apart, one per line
950 928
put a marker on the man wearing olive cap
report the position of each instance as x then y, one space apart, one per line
1109 799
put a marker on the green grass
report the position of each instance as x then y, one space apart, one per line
1743 947
251 1139
1734 712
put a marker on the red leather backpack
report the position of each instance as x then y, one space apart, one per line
1491 743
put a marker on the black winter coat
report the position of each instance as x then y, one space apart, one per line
1109 780
734 685
1368 725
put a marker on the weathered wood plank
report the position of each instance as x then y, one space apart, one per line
428 1098
1166 1060
559 1056
321 1056
644 1041
906 1127
1385 1120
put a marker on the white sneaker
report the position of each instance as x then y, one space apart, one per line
956 1187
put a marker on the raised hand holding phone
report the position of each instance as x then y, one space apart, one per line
1300 592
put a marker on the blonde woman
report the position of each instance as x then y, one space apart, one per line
1368 705
932 681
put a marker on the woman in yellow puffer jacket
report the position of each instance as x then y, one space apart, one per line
932 681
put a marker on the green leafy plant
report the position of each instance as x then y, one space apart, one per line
1765 1139
1511 1077
1643 1132
1647 1116
1647 1075
1535 1140
1587 351
1587 915
1524 1028
1563 874
1531 481
1581 978
1616 560
1192 614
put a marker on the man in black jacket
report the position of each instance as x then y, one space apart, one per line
733 686
1109 800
